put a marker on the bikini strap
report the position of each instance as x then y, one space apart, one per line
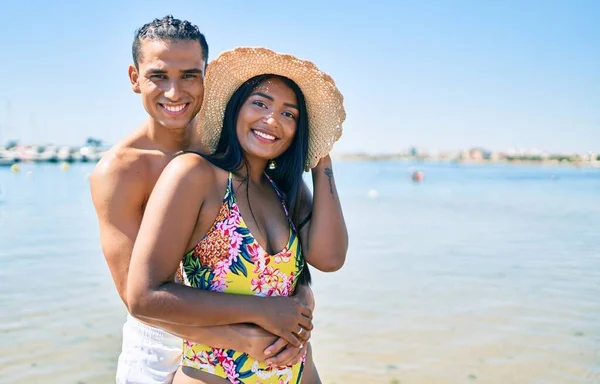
230 182
282 200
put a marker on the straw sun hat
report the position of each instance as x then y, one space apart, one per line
226 73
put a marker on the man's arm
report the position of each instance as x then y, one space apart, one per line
118 194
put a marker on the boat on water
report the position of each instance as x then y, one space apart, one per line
6 162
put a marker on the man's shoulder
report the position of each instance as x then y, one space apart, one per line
127 162
120 160
126 158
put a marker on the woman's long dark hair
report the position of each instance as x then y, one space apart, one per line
290 165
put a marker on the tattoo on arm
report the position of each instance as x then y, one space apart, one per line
329 174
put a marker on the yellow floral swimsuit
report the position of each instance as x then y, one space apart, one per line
229 259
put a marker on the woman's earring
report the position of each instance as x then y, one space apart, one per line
272 164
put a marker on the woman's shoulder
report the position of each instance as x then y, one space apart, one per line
192 168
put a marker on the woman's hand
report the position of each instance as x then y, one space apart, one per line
325 162
285 317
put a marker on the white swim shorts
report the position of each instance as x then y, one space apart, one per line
148 356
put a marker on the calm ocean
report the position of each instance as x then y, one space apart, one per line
480 274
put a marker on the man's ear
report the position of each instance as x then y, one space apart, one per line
134 78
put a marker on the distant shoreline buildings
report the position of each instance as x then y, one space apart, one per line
481 155
14 152
94 149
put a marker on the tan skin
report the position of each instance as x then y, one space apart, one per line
169 76
185 203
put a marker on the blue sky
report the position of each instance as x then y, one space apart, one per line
437 74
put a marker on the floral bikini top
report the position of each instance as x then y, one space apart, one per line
229 259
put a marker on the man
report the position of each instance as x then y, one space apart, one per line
169 60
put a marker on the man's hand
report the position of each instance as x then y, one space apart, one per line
285 353
266 347
255 340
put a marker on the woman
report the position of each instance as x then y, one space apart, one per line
241 217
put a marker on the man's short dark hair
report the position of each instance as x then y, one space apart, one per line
170 29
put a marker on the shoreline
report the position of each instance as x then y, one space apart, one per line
519 161
93 154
